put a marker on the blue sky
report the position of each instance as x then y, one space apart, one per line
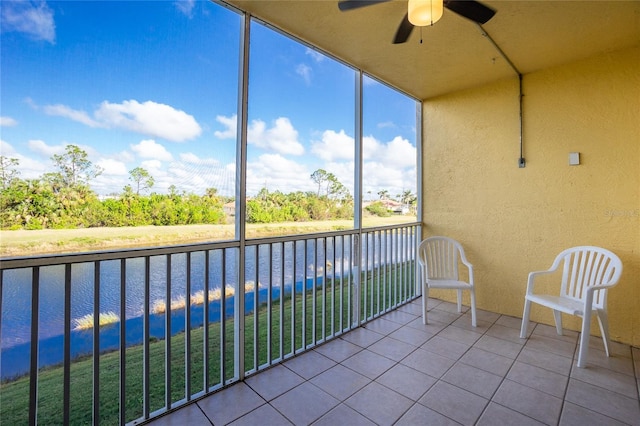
153 84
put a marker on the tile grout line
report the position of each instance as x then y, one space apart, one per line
439 379
341 401
398 362
504 377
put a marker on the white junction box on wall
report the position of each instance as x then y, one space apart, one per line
574 158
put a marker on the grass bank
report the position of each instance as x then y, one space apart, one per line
322 313
48 241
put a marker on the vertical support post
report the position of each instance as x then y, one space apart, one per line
303 314
270 303
33 368
187 331
256 316
355 272
168 337
293 298
146 355
66 381
314 295
282 301
123 340
223 318
357 196
241 190
420 177
205 328
96 343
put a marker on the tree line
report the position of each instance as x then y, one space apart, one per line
63 199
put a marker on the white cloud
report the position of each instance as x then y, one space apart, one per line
386 124
185 7
343 171
334 146
32 18
179 171
381 176
371 147
317 56
152 166
7 122
6 149
282 138
41 148
28 167
75 115
111 167
197 177
152 150
108 184
230 125
399 153
304 71
125 157
277 173
389 166
191 158
149 118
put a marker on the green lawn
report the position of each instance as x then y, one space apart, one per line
330 303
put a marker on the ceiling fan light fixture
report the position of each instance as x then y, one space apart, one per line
425 12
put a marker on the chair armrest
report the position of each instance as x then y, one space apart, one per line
596 287
532 275
470 266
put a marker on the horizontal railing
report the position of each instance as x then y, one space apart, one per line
124 336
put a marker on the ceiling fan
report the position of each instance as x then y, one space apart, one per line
426 12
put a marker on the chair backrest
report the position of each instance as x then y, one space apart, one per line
588 266
439 257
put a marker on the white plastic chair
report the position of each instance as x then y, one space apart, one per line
587 274
438 259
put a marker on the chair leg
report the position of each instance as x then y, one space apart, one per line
525 319
604 328
473 306
584 339
459 300
557 315
425 299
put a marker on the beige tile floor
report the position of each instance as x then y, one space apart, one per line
395 370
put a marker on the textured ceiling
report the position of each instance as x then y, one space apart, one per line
454 53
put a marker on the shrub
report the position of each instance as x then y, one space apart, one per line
378 209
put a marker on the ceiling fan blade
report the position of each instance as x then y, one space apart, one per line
470 9
404 30
356 4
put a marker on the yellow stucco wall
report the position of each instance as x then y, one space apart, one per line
512 221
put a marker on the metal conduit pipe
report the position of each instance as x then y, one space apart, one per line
521 160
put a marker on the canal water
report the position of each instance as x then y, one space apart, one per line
271 264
